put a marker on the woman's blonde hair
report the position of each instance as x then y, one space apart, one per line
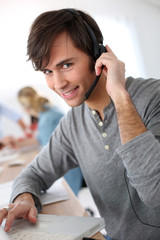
29 98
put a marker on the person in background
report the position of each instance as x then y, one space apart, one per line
13 115
112 130
45 117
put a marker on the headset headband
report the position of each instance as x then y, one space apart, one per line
98 48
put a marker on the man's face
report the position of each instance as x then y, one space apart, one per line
68 72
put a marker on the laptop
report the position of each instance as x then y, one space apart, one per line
54 227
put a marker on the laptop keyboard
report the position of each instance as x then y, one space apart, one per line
26 235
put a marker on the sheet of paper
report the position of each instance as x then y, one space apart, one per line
5 156
8 153
55 193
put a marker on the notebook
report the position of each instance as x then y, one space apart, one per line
55 227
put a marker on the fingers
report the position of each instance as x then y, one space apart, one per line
3 214
9 220
32 215
106 59
16 211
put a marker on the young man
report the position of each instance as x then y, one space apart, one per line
112 133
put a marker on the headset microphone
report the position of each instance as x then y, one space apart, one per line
92 86
103 49
98 48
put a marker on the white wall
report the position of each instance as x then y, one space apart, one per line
16 17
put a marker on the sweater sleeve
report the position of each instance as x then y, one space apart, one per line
141 155
54 160
141 158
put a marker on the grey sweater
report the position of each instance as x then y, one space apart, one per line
82 139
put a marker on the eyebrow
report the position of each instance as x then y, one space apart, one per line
64 61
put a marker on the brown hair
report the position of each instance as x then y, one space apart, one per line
46 27
32 99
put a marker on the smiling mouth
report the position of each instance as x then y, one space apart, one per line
71 93
67 93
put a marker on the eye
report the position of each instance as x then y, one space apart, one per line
67 65
47 72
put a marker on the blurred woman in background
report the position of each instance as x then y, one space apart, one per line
41 109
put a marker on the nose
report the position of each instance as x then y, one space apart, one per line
57 81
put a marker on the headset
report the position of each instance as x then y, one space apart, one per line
98 48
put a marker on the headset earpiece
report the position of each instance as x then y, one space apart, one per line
102 49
